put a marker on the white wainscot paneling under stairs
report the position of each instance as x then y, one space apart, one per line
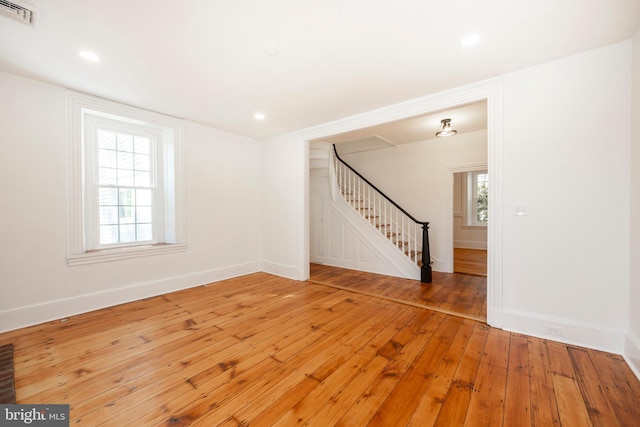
352 226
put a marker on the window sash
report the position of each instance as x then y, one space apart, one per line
94 211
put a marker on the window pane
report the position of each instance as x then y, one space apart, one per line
125 177
106 139
125 160
143 162
108 234
107 158
108 196
143 179
125 142
107 176
127 215
145 232
143 214
141 145
127 233
108 215
127 197
143 197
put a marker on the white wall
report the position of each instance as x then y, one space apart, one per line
568 260
285 223
632 345
418 176
223 201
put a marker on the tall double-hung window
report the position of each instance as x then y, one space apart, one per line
124 182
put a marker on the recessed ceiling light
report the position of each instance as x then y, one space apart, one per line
89 56
470 40
259 116
272 50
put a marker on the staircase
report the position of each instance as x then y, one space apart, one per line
402 230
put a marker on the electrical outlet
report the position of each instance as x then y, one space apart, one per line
554 330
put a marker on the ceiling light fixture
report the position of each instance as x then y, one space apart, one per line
89 56
259 116
445 128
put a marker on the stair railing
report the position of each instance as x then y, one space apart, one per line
407 233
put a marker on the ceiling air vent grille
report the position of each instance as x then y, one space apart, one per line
17 12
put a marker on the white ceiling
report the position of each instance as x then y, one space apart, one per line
464 119
205 60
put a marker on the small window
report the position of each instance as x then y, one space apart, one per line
477 192
125 196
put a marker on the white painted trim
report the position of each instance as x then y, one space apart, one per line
581 334
631 352
440 265
305 272
469 167
489 90
469 244
116 254
288 271
61 308
495 284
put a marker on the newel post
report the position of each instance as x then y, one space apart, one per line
425 270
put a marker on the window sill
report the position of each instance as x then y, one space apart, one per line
106 255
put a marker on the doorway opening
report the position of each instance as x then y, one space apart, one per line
470 221
413 165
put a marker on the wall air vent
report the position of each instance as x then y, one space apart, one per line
18 12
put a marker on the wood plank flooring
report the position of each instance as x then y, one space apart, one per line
261 350
470 261
461 294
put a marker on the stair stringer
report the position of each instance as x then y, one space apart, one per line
351 241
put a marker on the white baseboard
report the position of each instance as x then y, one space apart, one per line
632 352
562 330
441 266
469 244
288 271
57 309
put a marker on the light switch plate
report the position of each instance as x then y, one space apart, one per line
521 210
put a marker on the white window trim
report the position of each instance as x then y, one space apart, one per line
78 105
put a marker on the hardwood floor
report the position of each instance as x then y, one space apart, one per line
261 350
470 261
460 294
